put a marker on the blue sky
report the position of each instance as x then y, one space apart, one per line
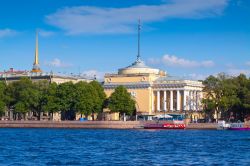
193 38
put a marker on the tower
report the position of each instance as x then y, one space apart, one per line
36 67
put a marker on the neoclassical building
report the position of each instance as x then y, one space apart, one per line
155 92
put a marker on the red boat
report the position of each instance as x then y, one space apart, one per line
164 126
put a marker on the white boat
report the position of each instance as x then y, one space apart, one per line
222 125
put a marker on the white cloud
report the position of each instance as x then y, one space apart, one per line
98 20
94 73
195 76
236 72
248 63
171 60
45 33
7 32
57 63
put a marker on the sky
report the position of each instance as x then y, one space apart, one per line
185 38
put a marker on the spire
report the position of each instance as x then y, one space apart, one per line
36 52
36 68
139 30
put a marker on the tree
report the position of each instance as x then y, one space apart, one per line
87 99
227 95
50 102
99 102
121 101
41 88
213 95
209 108
23 96
66 94
2 98
21 108
2 108
242 108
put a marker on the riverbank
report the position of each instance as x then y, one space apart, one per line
93 124
71 124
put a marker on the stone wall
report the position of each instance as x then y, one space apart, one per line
71 124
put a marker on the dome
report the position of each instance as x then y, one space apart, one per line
138 67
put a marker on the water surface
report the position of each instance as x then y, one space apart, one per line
123 147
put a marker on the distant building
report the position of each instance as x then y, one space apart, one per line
155 92
36 74
13 75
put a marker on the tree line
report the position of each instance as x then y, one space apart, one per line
227 96
24 96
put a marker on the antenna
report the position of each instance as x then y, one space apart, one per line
139 30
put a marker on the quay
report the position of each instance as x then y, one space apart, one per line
94 124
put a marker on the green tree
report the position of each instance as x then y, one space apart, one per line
87 99
242 108
229 97
2 108
21 107
41 88
121 101
22 96
2 98
99 99
50 102
209 108
213 95
66 94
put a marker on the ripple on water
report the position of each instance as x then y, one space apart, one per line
123 147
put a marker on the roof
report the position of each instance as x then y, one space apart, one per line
138 64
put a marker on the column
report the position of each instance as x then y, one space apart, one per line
199 100
192 100
171 101
184 100
194 103
153 104
165 100
158 101
196 100
178 100
189 100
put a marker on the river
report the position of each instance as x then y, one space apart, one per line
123 147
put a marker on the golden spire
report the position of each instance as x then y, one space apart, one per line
36 68
36 53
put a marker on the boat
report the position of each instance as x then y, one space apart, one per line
164 126
222 125
239 126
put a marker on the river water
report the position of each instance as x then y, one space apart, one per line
123 147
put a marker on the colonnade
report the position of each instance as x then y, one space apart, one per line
176 100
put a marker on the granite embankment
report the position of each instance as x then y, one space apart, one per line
70 124
92 124
202 126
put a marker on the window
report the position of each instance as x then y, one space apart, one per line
133 94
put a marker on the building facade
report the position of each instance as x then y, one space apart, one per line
157 93
36 74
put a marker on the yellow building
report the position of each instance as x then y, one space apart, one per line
155 92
